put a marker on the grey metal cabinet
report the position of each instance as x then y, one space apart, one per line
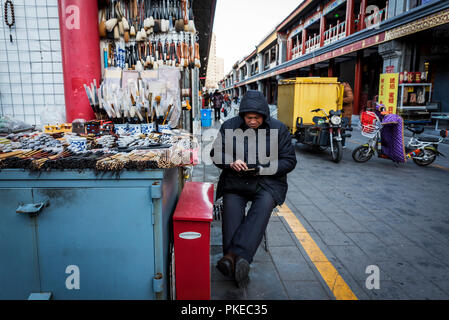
114 231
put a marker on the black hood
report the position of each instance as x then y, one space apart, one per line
254 101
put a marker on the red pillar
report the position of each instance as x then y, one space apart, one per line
289 49
349 17
362 14
330 70
322 29
80 46
304 39
358 82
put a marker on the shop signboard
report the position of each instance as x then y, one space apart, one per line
388 91
332 6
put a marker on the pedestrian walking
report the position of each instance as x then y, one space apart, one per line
348 99
217 102
206 100
248 179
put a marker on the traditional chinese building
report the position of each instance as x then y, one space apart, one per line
357 41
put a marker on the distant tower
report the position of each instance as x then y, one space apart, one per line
215 68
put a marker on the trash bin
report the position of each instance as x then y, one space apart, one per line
298 96
206 118
191 228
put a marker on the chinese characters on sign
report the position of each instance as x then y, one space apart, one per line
388 91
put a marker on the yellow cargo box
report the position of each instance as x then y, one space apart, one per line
298 96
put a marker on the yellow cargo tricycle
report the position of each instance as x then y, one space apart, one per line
312 109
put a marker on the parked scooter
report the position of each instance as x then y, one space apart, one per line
328 132
423 150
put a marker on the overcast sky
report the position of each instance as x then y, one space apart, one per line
241 24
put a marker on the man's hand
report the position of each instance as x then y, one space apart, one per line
239 165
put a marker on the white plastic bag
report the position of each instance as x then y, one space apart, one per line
52 115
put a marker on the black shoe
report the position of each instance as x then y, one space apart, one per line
241 273
225 265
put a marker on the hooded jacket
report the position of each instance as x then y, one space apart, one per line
276 183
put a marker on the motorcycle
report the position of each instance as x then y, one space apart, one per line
423 150
328 132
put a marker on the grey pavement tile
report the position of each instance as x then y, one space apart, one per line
310 212
313 193
422 290
262 255
398 270
394 219
426 264
444 285
346 200
290 264
372 246
432 269
347 223
296 200
441 231
438 250
388 290
360 213
354 260
265 283
226 290
328 207
330 233
278 236
216 234
385 233
416 234
306 290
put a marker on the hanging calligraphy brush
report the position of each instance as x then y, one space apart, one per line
185 14
124 19
102 25
164 21
186 55
197 55
157 21
133 12
191 25
179 24
119 14
171 25
112 22
191 57
154 57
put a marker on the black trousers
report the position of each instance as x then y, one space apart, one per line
217 113
243 235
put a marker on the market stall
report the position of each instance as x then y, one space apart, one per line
87 205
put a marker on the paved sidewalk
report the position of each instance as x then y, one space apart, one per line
358 215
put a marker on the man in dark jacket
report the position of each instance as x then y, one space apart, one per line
217 101
255 153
